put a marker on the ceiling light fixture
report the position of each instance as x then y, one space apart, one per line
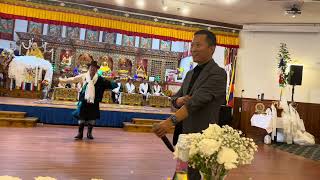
120 2
185 11
229 1
293 11
140 3
164 8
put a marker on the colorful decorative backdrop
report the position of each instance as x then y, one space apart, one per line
106 22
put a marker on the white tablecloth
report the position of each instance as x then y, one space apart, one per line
263 121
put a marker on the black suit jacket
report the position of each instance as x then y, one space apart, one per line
208 94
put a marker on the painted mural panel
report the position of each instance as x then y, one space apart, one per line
109 38
165 45
35 28
92 35
128 40
6 29
73 32
145 43
54 30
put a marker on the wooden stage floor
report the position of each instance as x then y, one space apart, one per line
118 155
72 105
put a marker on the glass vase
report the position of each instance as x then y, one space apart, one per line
216 173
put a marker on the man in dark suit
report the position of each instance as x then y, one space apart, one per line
202 93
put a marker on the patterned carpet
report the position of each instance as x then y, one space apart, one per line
309 152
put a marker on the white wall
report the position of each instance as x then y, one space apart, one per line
257 70
218 57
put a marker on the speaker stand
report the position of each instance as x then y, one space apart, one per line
292 94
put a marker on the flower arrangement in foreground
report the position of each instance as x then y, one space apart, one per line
215 151
36 178
44 178
9 178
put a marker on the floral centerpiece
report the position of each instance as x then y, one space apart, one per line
9 178
44 178
215 151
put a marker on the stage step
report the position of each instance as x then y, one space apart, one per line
18 122
141 125
145 121
12 114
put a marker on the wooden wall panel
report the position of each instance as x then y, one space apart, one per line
310 113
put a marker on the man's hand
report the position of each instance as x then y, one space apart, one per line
162 128
182 100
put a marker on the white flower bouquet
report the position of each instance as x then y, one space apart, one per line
44 178
215 151
9 178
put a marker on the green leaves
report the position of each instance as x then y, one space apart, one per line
284 60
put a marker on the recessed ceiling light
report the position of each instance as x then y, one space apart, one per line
120 2
140 3
229 1
165 8
185 11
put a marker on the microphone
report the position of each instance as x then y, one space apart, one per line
164 139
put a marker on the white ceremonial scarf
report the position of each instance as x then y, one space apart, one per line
157 88
130 88
144 88
90 90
